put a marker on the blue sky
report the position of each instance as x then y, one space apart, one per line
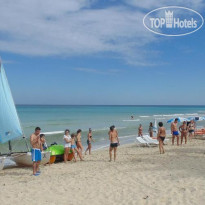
98 52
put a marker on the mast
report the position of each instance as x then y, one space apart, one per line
10 146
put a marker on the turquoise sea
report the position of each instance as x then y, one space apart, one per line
53 120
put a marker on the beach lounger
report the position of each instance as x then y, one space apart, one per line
141 142
149 140
200 132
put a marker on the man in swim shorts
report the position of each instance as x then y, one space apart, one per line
36 150
175 132
114 142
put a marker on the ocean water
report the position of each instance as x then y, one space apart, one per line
53 120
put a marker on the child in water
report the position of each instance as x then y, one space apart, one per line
74 148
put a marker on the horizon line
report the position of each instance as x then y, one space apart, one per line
98 105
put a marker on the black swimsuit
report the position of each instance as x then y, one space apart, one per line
114 145
162 138
88 141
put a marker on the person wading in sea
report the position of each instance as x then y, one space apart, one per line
89 141
140 131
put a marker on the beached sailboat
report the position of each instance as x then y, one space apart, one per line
10 126
2 159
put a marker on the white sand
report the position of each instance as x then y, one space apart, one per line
140 176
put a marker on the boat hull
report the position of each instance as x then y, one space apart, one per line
57 153
24 159
2 159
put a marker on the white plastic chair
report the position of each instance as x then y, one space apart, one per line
141 142
149 140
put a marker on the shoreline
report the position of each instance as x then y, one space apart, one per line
10 164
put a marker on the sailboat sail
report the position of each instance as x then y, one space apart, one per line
10 127
155 127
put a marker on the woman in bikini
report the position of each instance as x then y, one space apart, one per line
183 129
74 148
161 137
191 128
79 142
140 130
89 140
151 129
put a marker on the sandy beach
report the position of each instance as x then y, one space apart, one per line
140 176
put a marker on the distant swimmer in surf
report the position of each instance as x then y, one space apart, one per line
132 117
114 142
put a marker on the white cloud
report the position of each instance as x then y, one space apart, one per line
71 28
8 61
152 4
98 71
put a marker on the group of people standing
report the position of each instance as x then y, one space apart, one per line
71 142
187 129
74 143
151 130
161 134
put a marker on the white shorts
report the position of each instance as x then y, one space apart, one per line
67 145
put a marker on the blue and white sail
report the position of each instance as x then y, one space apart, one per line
155 128
10 127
